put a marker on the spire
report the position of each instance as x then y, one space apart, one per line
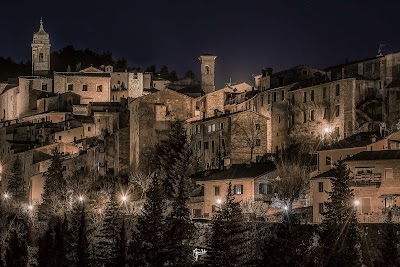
41 23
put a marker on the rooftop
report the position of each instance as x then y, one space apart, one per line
84 74
376 155
240 171
353 141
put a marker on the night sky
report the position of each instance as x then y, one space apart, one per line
245 35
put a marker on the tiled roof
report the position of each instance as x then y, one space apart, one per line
355 140
239 171
376 155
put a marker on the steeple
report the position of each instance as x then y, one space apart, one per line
41 51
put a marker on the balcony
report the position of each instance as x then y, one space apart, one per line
367 179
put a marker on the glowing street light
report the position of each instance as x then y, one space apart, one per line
6 196
124 198
30 207
327 130
286 208
219 201
81 198
356 202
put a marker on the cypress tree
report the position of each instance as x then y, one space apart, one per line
390 255
180 228
16 185
339 231
121 247
82 243
54 195
228 242
147 246
106 239
17 252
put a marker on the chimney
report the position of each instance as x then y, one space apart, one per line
227 163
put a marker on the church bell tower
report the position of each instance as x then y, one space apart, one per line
41 52
207 72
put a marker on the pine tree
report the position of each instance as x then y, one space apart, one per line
228 242
339 231
16 185
147 246
82 242
107 236
390 255
17 252
54 194
180 228
121 247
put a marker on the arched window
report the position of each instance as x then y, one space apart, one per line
207 69
41 57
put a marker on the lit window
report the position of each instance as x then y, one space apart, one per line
239 189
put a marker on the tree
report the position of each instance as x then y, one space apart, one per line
190 74
121 252
291 182
339 231
164 72
180 228
228 241
82 244
54 195
16 185
172 76
121 64
247 132
151 69
17 251
107 236
390 255
147 246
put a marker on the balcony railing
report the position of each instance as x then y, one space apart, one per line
367 179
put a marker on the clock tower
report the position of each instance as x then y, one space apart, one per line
207 72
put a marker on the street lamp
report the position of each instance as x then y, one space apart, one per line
81 198
356 202
6 196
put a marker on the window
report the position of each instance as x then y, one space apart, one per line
209 128
388 173
222 126
212 146
44 86
84 87
269 99
99 88
328 160
283 95
304 97
337 89
223 143
217 191
89 129
321 208
59 137
293 99
239 189
41 57
64 168
207 69
213 128
198 128
70 87
337 111
258 142
312 115
279 119
199 145
258 127
265 189
312 95
320 187
304 117
324 93
205 145
262 101
325 113
274 96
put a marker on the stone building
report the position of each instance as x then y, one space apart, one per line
250 183
229 138
151 117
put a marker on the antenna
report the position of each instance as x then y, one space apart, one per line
380 50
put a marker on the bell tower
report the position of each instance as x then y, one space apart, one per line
41 52
207 72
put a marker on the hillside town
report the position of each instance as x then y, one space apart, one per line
274 146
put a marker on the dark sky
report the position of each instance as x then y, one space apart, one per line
245 35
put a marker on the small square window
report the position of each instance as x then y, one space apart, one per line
70 87
84 87
99 88
258 126
44 86
328 160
